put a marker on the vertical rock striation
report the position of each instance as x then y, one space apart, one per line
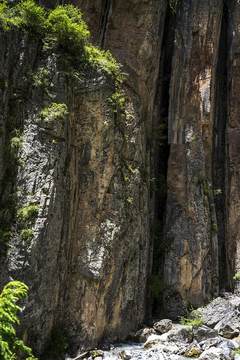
191 260
232 143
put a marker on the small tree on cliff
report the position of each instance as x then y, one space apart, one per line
11 347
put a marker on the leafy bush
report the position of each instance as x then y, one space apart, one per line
62 28
16 143
104 60
237 276
11 347
53 112
194 320
28 212
66 27
26 234
41 78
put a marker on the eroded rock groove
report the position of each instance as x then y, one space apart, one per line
161 148
219 149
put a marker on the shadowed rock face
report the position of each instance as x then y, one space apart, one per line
137 216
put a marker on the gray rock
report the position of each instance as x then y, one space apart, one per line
143 334
178 334
193 350
163 326
214 354
233 299
203 333
216 311
228 347
207 344
181 333
229 326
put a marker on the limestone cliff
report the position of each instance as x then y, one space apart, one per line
131 216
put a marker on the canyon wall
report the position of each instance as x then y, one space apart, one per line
135 216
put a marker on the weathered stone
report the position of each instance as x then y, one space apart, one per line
214 354
204 332
233 141
163 326
229 326
143 334
215 311
207 344
191 259
193 350
178 334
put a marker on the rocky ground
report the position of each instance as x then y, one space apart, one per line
209 333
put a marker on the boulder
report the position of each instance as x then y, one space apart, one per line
193 350
163 326
214 354
228 347
143 334
207 344
152 341
203 333
233 299
216 311
229 326
179 335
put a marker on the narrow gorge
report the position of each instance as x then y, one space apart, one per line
119 179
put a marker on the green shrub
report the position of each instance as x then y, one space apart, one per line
63 26
63 30
103 60
66 27
11 347
16 143
194 320
237 276
26 234
41 77
54 112
28 212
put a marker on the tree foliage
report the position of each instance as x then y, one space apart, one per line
11 347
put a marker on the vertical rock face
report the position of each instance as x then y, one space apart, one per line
232 143
130 216
191 261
